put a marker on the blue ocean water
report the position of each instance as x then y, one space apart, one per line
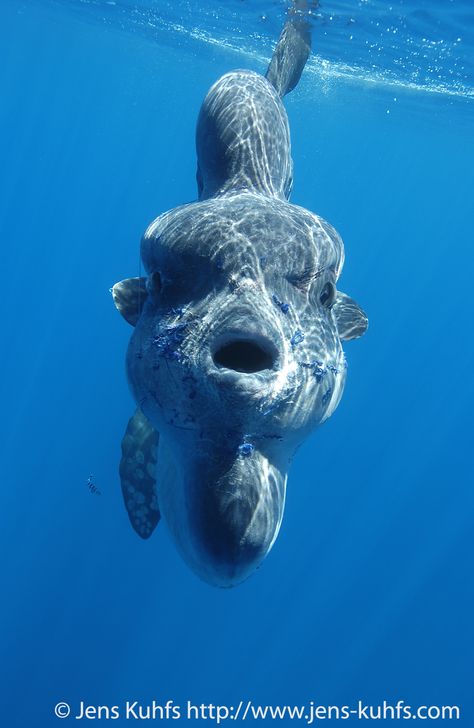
368 593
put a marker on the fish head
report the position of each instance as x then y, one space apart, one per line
235 358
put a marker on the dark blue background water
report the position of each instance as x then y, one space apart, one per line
368 592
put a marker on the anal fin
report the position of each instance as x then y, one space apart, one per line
138 474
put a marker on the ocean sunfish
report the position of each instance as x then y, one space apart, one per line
236 353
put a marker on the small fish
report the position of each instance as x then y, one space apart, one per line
92 487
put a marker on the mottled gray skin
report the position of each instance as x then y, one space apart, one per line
236 354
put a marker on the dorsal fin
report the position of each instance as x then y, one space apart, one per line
242 135
292 50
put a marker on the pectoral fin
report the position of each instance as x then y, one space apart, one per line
350 318
129 296
138 474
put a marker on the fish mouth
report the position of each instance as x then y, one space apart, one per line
244 353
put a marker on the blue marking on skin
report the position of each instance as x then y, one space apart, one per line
168 340
263 261
319 370
326 396
297 338
246 449
284 307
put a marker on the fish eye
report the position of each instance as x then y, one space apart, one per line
154 283
328 294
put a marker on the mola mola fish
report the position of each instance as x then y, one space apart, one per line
236 353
